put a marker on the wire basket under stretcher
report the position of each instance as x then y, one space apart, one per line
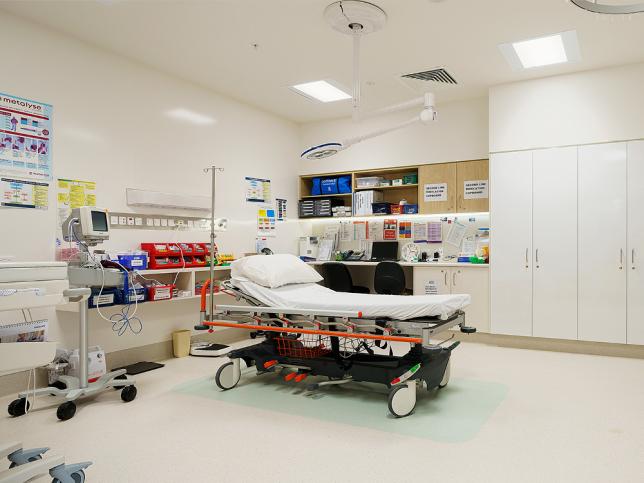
304 346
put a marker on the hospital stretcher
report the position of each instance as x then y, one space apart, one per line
340 344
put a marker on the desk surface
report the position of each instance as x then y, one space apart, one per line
411 264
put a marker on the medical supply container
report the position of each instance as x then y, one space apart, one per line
368 182
316 186
409 209
329 186
137 295
344 184
381 208
410 179
134 260
107 298
160 292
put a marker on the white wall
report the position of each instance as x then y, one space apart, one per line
587 107
461 133
110 127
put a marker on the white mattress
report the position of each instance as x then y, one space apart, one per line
313 296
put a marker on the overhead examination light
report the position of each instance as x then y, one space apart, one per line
358 18
610 9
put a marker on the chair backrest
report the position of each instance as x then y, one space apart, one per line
389 278
337 277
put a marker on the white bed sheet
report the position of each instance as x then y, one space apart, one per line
313 296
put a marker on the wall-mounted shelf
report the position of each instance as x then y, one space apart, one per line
449 184
186 279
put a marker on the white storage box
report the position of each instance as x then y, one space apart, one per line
368 182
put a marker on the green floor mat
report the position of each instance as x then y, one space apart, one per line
453 414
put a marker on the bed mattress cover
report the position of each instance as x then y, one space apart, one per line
312 296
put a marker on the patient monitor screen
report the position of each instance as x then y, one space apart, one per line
99 221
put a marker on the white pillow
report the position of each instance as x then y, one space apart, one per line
274 270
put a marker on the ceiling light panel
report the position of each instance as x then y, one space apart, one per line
542 51
322 91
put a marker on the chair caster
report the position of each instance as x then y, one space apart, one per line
73 473
18 407
468 330
66 410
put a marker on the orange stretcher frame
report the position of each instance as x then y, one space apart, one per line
350 335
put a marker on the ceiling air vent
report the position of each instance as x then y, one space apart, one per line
434 75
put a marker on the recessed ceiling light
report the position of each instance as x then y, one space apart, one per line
542 51
190 116
322 91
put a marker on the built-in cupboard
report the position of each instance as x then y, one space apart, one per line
567 232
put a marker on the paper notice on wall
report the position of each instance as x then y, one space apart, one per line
375 230
390 229
74 193
258 190
405 230
280 206
456 234
366 247
17 193
435 192
435 232
346 231
25 138
34 331
419 231
265 223
431 287
360 230
325 250
476 189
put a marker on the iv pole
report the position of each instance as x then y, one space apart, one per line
213 169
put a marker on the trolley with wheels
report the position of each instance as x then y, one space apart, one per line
341 346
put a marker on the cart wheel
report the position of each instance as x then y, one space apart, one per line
128 393
227 376
58 385
446 375
66 410
122 376
18 407
402 400
78 477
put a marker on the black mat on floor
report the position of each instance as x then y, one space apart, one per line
141 367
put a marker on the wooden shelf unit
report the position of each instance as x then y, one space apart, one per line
453 174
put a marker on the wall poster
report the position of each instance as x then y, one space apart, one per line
25 138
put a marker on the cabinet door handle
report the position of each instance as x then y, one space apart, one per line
526 257
445 272
621 258
633 258
453 279
536 257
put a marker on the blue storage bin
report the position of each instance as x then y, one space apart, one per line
138 261
141 296
344 183
108 298
316 187
329 186
409 209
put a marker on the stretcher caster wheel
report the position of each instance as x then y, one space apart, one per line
312 387
66 411
402 400
446 375
18 407
228 375
77 477
128 393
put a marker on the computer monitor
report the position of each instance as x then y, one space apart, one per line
383 251
89 225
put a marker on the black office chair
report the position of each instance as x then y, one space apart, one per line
389 279
338 278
